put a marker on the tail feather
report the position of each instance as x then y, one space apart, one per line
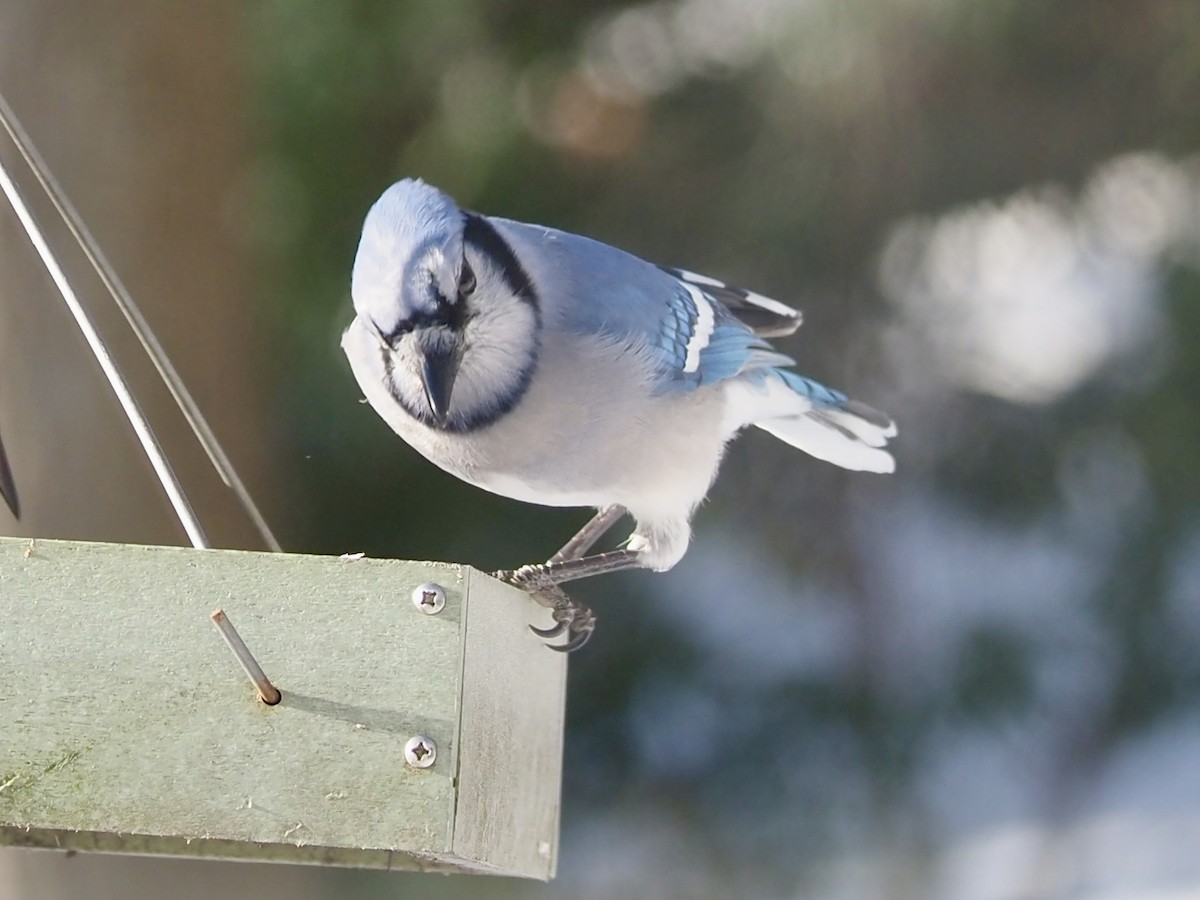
871 432
830 443
822 422
870 414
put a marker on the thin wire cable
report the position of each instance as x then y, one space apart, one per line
133 316
162 468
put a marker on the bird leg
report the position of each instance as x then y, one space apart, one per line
551 574
596 528
542 581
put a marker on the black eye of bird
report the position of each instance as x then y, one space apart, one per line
466 280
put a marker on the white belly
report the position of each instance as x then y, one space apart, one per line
573 440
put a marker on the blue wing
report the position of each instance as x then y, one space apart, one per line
694 338
699 341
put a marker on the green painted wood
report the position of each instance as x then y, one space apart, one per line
504 749
126 724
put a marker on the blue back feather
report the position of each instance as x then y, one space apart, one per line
618 295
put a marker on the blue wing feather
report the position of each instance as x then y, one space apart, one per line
731 346
618 295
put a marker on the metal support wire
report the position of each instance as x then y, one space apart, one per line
137 323
162 468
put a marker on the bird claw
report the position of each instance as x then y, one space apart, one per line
570 617
551 632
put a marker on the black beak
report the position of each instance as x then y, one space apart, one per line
438 371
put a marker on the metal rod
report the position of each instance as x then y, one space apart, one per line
141 427
133 316
267 692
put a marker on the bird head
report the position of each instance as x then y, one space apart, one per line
450 317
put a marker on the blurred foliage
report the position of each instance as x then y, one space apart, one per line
779 145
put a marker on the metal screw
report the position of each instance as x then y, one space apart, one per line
429 598
420 752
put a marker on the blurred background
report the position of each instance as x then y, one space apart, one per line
977 678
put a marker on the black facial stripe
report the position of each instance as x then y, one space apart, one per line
488 415
450 315
458 423
402 328
435 289
482 235
389 381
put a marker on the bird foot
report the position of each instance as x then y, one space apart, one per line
570 616
532 578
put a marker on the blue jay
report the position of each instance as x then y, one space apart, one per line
555 369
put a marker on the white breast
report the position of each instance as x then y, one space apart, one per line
587 433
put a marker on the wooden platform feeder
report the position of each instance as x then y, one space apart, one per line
126 725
